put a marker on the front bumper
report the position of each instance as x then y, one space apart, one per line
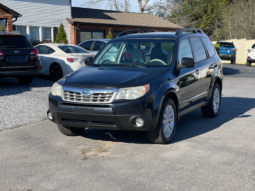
114 116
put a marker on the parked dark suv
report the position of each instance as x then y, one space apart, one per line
142 82
18 58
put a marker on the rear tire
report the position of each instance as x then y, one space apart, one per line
248 63
167 122
233 61
210 110
56 72
70 131
25 80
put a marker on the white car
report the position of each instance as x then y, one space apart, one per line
59 60
94 45
251 55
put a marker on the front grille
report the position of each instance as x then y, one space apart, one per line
93 98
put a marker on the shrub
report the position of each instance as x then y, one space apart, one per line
109 35
217 48
61 36
1 27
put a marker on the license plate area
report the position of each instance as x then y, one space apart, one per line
16 59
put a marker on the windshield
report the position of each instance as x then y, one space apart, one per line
72 49
12 41
136 52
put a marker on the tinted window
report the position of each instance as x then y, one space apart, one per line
86 45
225 44
72 49
14 42
209 46
199 50
98 45
253 46
50 51
184 50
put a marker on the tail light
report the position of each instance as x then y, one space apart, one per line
249 50
39 67
249 58
72 59
234 49
1 54
34 52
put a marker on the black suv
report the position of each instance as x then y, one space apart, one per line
18 58
142 82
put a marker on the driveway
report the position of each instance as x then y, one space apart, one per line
206 154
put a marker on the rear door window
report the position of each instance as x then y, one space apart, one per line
184 50
98 45
198 49
86 45
12 41
209 46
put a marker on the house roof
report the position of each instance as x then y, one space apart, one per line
107 17
12 12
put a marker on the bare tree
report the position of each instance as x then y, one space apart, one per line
144 6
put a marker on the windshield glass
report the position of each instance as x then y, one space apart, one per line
136 52
12 41
72 49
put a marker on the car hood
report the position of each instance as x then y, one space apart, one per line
111 77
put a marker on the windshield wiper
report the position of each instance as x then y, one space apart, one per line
137 66
8 46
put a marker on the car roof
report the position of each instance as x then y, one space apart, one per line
55 44
149 35
99 39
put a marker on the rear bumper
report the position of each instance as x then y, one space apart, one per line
16 72
251 60
118 116
227 56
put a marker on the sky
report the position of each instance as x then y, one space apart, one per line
79 3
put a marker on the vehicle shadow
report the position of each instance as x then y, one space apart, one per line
11 86
190 125
230 71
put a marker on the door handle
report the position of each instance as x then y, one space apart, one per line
197 71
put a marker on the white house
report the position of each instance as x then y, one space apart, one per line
41 18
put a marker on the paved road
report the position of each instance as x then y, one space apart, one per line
206 154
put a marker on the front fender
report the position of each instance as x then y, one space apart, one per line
160 95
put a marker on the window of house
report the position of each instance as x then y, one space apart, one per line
184 50
46 32
34 34
199 49
87 35
22 30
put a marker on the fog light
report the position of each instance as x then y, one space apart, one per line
139 122
50 116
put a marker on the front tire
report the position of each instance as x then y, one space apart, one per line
233 61
25 80
166 127
70 131
212 109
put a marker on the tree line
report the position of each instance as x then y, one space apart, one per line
219 19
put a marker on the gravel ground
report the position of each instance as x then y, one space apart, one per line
22 104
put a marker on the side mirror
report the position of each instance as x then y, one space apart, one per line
186 63
88 60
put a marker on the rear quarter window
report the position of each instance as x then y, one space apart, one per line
12 41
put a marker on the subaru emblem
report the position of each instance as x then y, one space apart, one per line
86 92
16 51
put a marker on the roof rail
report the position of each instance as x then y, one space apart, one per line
10 32
136 31
194 30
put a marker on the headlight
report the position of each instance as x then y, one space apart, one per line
132 93
56 90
